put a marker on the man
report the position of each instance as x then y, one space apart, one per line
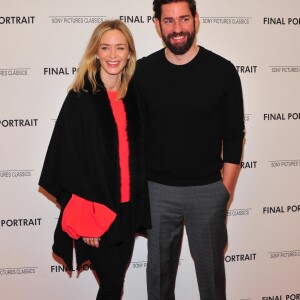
194 128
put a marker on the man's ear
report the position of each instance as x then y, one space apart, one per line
157 26
197 22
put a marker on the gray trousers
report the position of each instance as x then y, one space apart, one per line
202 210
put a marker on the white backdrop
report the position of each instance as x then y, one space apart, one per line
261 38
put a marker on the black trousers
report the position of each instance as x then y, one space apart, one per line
110 262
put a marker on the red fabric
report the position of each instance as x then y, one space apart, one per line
83 218
120 119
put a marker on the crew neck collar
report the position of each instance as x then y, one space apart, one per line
199 52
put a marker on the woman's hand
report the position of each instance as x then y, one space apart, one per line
94 242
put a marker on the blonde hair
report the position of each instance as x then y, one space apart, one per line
90 65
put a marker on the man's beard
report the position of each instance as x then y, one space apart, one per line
179 49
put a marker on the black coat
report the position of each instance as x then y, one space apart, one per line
83 159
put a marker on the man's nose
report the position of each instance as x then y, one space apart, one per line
177 26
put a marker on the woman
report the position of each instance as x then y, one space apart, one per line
94 163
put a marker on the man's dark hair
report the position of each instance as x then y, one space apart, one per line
157 4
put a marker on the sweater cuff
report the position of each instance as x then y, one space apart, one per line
84 218
232 150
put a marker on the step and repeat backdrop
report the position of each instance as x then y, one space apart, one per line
41 44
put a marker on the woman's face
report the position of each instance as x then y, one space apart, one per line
113 53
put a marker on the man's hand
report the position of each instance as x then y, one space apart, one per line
230 173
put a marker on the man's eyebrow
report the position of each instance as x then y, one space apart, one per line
181 17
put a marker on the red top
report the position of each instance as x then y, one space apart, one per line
120 118
84 218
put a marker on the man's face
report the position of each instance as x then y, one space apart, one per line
177 27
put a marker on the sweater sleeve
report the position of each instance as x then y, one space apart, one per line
233 118
83 218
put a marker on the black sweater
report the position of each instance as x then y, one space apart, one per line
194 117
